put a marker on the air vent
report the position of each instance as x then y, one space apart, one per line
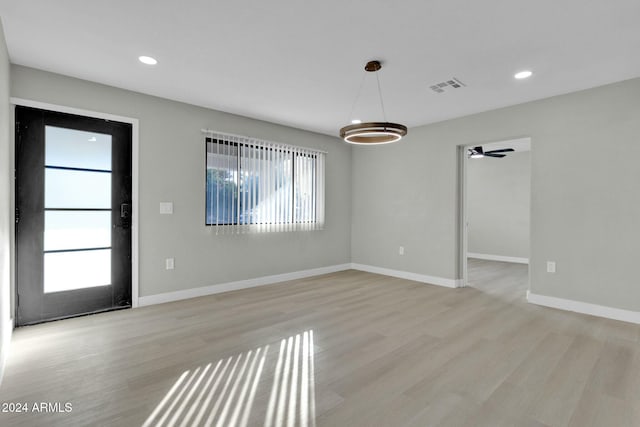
454 83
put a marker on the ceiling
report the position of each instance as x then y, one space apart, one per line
300 63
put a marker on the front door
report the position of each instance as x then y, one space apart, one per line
73 215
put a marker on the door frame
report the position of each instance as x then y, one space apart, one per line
462 215
135 155
462 240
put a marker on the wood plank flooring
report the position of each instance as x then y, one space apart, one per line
344 349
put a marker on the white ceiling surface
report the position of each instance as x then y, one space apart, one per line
300 63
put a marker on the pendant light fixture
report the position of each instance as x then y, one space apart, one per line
372 133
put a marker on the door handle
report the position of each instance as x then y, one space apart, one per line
125 215
125 211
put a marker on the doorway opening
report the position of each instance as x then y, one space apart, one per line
494 215
73 200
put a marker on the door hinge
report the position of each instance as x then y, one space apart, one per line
17 300
17 215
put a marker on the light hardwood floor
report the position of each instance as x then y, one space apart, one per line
345 349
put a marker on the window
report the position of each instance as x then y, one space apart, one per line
262 186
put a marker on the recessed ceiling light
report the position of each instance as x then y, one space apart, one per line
356 121
523 74
147 60
93 139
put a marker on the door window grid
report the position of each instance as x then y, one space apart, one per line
77 251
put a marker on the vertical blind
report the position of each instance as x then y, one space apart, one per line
256 185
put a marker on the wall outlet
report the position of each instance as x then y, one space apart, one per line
166 208
551 266
401 250
169 263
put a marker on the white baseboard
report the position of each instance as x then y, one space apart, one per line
585 308
241 284
6 342
501 258
440 281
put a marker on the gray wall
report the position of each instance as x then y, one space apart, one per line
498 193
582 214
585 183
5 183
172 169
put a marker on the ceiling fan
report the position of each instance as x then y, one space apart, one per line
478 152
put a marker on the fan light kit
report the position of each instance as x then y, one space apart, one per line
372 133
523 75
478 152
147 60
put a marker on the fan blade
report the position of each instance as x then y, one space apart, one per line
478 149
502 150
489 154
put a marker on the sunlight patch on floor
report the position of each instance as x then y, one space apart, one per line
224 394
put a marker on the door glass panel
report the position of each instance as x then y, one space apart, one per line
77 149
77 189
72 188
65 271
76 230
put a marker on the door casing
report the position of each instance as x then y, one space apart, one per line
462 206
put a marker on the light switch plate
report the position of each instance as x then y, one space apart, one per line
169 263
166 208
551 266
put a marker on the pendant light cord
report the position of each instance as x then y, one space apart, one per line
353 107
384 113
